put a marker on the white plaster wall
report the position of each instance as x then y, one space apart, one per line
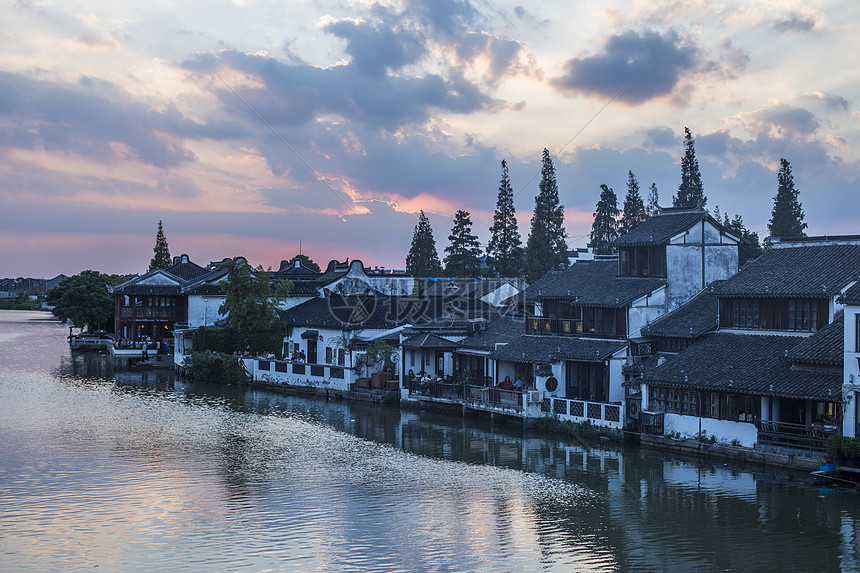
725 431
721 262
683 273
645 310
501 294
203 310
616 379
851 372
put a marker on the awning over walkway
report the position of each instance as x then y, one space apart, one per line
429 342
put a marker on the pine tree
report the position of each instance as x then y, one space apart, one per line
423 259
505 250
463 251
634 209
605 227
750 247
547 247
691 192
653 200
786 219
162 259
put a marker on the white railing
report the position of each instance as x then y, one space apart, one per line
597 413
286 372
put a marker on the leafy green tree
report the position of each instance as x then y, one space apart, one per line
377 353
84 299
546 248
653 200
691 192
505 250
423 258
605 227
786 219
634 208
306 261
463 250
161 259
750 247
251 307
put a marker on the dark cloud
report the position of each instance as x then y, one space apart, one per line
794 22
376 47
503 55
661 138
831 101
658 62
782 122
444 17
297 94
89 119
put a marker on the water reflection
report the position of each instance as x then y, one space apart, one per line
134 470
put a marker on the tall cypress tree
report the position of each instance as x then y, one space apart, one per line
634 208
786 219
463 250
423 259
505 250
161 259
605 227
653 200
750 247
691 192
547 246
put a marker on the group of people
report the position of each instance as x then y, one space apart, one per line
299 356
506 384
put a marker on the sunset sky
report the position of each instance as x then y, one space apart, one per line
216 117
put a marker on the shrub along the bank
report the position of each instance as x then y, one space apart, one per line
224 339
216 367
843 449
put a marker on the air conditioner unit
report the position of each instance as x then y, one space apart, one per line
533 397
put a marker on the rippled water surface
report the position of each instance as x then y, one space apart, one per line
125 470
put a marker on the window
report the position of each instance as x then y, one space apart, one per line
857 332
774 314
642 262
328 354
341 356
802 315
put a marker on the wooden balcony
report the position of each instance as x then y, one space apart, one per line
795 435
553 326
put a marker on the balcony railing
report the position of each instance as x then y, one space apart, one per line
479 395
558 326
599 413
795 435
301 374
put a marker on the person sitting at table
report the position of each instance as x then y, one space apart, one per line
518 385
506 383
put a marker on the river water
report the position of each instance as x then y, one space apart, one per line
129 471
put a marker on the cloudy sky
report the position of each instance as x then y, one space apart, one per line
248 126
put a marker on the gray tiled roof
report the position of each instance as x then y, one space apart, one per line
748 364
347 313
532 349
429 341
825 347
690 320
498 331
594 283
661 227
803 271
187 271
